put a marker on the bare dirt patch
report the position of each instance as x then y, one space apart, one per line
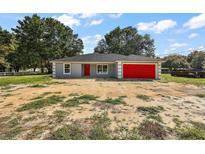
120 99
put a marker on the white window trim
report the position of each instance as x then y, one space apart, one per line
102 72
64 68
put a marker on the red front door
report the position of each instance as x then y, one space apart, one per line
86 69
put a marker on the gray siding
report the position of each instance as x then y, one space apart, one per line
76 71
111 71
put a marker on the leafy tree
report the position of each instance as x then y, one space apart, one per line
5 45
101 47
29 41
196 59
126 41
59 41
15 60
41 40
175 61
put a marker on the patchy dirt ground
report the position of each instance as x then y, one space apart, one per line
177 103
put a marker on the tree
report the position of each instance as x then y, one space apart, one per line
59 41
15 60
101 47
196 59
126 41
41 40
175 61
5 45
29 41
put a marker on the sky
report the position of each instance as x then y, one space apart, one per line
173 33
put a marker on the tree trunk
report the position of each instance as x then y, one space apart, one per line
34 69
42 67
16 69
49 68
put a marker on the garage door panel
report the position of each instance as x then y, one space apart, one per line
139 71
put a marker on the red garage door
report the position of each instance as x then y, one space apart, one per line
146 71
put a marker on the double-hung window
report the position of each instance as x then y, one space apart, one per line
67 69
102 69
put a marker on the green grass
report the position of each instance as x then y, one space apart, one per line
157 117
115 101
10 134
37 86
37 104
200 95
152 130
60 115
99 133
32 79
185 80
143 97
191 133
76 101
88 97
68 132
152 110
177 122
44 94
73 94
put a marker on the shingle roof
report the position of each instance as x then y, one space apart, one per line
95 57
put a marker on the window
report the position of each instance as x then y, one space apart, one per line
102 69
67 69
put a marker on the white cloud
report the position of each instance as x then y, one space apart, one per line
92 39
196 22
87 15
156 27
192 35
178 45
68 20
96 22
115 15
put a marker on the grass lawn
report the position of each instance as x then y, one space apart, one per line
169 78
31 79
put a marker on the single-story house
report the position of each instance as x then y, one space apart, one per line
107 66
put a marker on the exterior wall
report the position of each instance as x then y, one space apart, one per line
111 71
119 70
76 71
115 70
158 71
54 69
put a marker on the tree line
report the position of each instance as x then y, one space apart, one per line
194 60
35 41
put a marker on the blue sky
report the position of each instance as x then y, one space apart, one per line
173 33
